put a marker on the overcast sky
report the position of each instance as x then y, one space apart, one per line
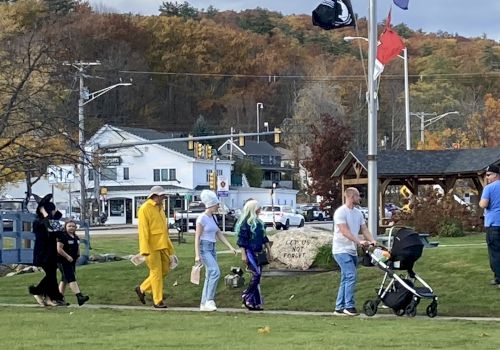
470 18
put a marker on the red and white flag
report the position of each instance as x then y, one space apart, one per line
390 45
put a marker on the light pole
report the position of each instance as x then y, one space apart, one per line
425 123
84 98
260 105
404 57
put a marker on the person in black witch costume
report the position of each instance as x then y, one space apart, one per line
46 228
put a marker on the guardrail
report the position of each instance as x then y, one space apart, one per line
17 239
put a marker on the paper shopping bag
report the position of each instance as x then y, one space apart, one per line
195 273
137 259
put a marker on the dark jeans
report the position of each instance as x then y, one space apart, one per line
48 286
493 241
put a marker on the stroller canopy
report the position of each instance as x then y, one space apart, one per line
407 248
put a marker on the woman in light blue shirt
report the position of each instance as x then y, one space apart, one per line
207 232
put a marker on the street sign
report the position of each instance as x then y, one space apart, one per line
61 174
222 186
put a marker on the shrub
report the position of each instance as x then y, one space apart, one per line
324 259
431 211
451 228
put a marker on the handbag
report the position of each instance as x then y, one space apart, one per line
262 258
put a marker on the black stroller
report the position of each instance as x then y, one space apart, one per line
400 294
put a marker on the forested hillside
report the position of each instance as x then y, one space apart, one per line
191 63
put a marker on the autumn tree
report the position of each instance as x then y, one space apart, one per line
248 168
32 135
175 9
329 142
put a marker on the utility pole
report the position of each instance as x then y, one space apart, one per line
84 98
83 95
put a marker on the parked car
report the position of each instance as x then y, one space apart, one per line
312 212
364 211
283 215
195 210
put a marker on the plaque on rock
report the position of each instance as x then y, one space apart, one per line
297 249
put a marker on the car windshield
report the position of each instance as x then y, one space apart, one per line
11 206
270 208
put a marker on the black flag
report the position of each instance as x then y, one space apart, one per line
331 14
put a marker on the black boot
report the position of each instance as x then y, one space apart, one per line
82 299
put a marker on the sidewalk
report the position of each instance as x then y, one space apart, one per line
264 312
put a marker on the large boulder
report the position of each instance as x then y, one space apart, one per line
297 249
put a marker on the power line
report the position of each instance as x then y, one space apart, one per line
272 78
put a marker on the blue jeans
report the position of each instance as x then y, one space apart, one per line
345 296
212 272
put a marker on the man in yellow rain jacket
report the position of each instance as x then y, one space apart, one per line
154 245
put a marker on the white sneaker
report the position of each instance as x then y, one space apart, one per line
211 304
208 306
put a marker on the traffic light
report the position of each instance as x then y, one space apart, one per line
209 151
190 143
199 150
277 135
241 140
212 180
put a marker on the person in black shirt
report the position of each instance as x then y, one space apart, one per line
252 239
45 228
68 250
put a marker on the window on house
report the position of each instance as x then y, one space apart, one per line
108 174
208 171
164 174
91 174
126 175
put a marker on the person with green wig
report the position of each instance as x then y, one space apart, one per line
252 240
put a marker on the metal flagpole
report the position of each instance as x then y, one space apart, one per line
372 122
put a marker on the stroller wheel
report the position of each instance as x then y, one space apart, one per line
411 310
399 312
370 308
432 310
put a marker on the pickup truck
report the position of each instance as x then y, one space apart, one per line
195 210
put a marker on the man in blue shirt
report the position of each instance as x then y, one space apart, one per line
490 201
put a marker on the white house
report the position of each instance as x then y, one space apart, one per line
126 174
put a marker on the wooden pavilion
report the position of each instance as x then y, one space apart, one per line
416 168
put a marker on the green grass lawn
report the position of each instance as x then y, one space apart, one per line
459 274
84 328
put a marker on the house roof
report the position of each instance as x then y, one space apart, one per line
150 134
425 163
263 148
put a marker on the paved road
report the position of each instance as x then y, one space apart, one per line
132 229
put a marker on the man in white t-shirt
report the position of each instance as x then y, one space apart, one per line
348 223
